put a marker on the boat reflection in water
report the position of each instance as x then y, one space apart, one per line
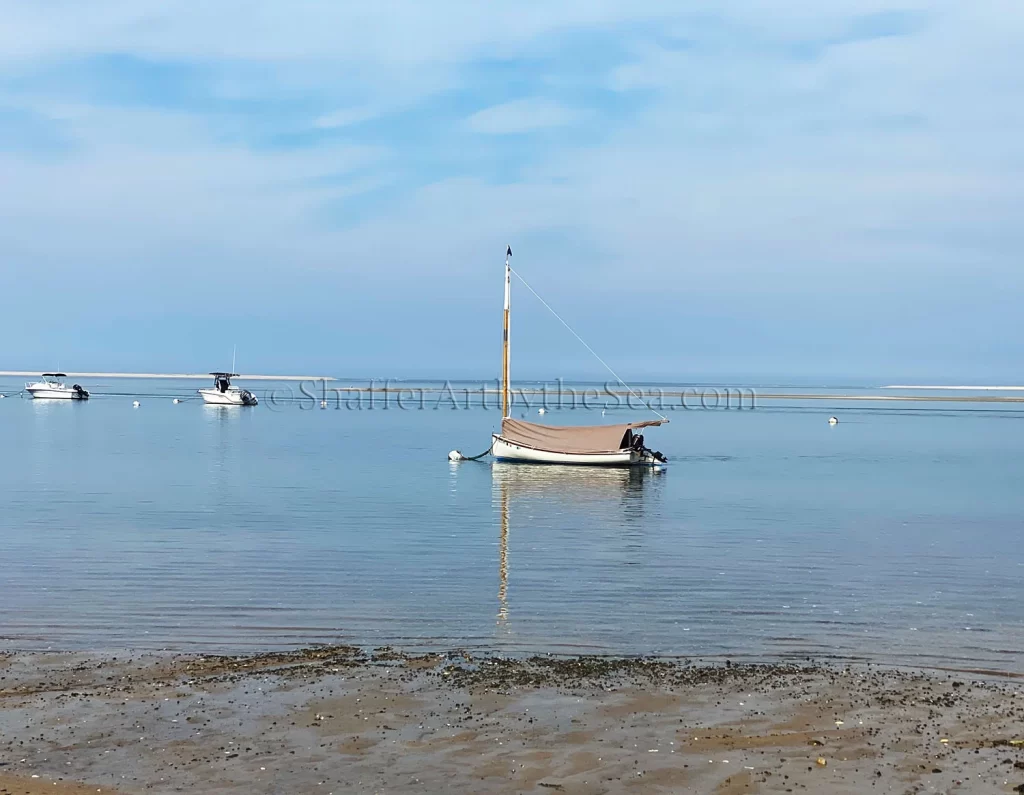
573 492
226 461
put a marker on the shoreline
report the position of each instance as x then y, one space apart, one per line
342 719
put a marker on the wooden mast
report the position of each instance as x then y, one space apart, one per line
504 348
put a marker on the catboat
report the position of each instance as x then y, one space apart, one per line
222 393
530 442
52 387
607 445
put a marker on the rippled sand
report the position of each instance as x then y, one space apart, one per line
341 720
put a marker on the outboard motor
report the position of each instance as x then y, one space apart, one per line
79 392
647 455
248 398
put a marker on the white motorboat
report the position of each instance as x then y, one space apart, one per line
529 442
52 387
222 393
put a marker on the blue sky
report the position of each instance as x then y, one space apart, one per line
739 187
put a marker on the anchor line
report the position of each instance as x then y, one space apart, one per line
478 457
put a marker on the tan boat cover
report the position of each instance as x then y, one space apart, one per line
570 439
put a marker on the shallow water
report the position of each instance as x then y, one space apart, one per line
894 536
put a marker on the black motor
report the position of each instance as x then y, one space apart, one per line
81 393
638 445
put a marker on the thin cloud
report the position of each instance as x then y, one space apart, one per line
345 117
522 116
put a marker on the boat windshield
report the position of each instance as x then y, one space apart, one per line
221 381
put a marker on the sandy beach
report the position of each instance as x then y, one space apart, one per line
340 719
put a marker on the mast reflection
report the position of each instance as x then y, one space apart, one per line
512 484
503 555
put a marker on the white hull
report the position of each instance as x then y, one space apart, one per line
506 451
50 393
233 397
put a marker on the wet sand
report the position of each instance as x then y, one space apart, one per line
339 719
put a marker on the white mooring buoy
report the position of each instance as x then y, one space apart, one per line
136 404
455 455
833 420
176 401
542 411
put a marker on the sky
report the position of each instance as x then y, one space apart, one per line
737 188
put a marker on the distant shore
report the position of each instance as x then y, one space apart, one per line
341 719
729 397
965 388
706 397
179 376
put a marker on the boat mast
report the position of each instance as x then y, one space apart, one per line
504 348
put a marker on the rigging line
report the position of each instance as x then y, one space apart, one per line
583 342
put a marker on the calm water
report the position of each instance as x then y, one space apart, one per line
895 536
